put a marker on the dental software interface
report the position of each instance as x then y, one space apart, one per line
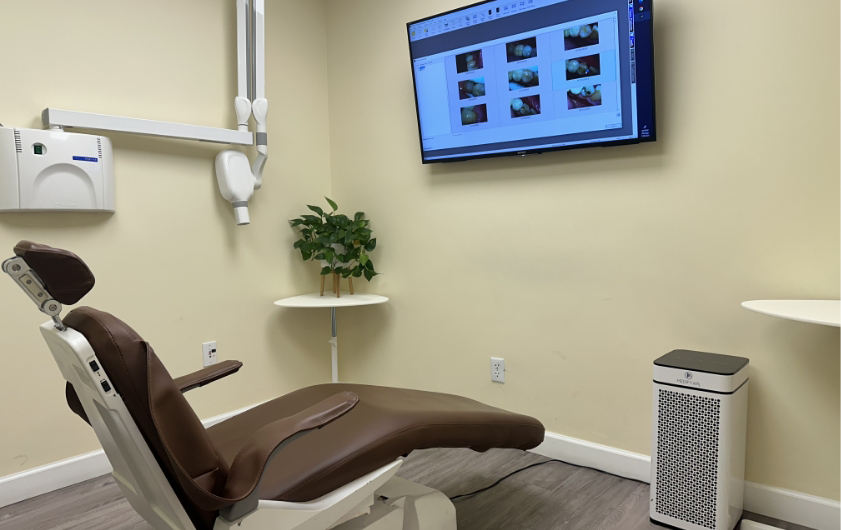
509 76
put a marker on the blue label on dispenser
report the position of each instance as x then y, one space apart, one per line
85 159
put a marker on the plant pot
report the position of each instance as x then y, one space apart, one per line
338 248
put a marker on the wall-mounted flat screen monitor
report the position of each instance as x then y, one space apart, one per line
518 77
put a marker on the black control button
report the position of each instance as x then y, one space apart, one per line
94 366
105 386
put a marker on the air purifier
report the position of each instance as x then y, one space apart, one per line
698 449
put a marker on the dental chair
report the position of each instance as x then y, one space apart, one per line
323 457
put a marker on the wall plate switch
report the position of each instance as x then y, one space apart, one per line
497 370
208 353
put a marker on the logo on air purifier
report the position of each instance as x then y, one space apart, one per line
687 381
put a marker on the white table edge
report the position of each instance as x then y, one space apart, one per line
751 306
329 300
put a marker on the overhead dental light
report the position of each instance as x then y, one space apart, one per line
237 177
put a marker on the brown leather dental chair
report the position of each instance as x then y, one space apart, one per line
318 458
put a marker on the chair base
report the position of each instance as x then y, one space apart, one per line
377 501
404 505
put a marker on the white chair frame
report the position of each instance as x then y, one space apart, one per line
377 501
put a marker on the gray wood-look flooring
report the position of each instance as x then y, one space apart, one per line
553 496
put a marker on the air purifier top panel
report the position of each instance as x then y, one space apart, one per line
695 361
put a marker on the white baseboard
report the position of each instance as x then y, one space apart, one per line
793 506
753 525
601 457
44 479
790 506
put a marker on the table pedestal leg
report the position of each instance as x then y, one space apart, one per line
334 345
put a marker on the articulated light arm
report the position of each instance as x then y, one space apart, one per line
260 105
237 177
242 103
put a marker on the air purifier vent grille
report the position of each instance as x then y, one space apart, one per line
687 457
18 142
99 146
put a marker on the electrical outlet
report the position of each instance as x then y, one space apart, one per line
497 370
208 353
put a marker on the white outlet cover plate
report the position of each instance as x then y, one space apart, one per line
208 353
497 370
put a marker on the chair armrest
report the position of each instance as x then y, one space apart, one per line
207 375
254 457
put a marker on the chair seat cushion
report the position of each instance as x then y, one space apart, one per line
387 423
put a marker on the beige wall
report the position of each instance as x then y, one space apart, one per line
581 267
171 261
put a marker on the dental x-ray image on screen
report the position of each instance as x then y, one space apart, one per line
499 78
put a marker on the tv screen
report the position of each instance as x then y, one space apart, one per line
527 76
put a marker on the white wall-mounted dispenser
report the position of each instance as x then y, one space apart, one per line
43 170
698 453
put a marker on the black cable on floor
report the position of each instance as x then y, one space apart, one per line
540 464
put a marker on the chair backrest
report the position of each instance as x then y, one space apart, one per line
135 469
162 456
171 430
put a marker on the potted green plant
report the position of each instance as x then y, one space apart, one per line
341 243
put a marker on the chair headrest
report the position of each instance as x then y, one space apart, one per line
65 275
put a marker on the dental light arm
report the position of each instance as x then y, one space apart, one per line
237 177
242 103
260 105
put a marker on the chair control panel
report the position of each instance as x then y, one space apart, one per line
103 380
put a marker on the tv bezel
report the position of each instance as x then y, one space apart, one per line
534 150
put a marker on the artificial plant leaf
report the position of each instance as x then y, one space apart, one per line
311 218
319 256
358 216
357 272
369 274
296 222
325 271
332 204
371 245
363 259
346 273
329 254
307 255
316 209
369 265
298 244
